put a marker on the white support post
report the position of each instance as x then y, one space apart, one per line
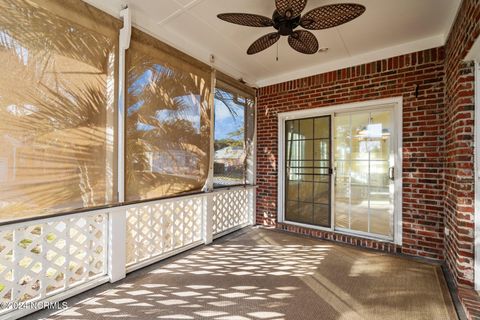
208 199
252 159
117 248
253 197
211 104
252 205
124 44
208 218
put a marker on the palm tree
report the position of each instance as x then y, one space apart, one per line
55 105
168 119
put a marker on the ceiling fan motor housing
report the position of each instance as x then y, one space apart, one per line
284 25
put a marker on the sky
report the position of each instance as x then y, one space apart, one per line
225 122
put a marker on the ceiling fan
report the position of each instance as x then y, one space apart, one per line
287 17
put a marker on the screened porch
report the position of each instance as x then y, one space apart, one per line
151 167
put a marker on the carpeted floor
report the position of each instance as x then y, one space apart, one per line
261 274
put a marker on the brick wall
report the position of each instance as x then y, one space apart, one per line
438 128
459 121
459 170
423 127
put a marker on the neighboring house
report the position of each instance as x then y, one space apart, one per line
230 156
178 162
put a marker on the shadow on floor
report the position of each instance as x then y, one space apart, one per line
262 274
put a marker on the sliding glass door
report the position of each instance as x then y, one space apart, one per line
364 172
350 188
308 173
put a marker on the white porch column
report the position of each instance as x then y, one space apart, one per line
124 44
208 199
208 218
117 244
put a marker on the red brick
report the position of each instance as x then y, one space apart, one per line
438 153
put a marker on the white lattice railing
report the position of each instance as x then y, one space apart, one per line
156 230
232 209
159 228
43 258
53 258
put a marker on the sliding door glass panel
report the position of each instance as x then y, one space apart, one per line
359 197
379 139
305 191
322 128
363 189
292 190
322 152
381 187
342 194
307 153
342 138
306 128
292 211
342 205
343 154
381 210
321 193
322 215
308 171
359 143
305 212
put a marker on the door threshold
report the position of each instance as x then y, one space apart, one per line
342 232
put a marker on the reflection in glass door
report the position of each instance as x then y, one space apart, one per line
364 172
308 173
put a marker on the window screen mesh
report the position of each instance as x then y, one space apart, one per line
168 126
234 129
57 102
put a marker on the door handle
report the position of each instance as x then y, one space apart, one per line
391 173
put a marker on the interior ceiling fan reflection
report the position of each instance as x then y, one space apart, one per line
287 17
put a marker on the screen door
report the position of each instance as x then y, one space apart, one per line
308 171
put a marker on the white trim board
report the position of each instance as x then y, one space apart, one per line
397 103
